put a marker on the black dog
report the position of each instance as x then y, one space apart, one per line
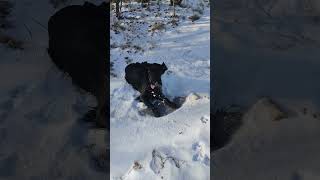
146 78
79 46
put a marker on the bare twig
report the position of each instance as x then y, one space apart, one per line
36 21
28 29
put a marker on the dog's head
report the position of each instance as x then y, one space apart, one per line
154 74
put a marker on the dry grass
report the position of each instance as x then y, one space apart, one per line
57 3
117 27
128 60
174 22
129 45
5 10
11 42
194 17
142 1
112 74
137 166
157 27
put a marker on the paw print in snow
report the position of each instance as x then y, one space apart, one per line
200 154
204 119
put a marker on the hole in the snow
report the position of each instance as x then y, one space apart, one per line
146 78
162 108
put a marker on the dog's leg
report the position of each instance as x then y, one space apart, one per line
170 103
165 100
101 113
156 112
101 119
145 100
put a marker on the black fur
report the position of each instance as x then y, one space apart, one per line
79 46
141 76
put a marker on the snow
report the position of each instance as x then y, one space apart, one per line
41 136
276 56
175 146
285 149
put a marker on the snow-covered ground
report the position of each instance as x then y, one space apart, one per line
175 146
41 136
268 49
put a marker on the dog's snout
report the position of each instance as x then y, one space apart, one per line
157 84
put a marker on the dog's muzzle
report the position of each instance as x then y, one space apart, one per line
155 85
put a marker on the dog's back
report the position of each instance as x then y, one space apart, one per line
78 45
142 75
146 78
136 75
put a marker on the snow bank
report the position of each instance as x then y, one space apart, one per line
267 149
175 146
276 56
41 135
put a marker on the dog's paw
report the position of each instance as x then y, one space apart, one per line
173 105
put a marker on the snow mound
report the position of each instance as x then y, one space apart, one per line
175 146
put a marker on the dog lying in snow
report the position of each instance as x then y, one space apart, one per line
146 78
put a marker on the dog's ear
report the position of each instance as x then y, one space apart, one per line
164 67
